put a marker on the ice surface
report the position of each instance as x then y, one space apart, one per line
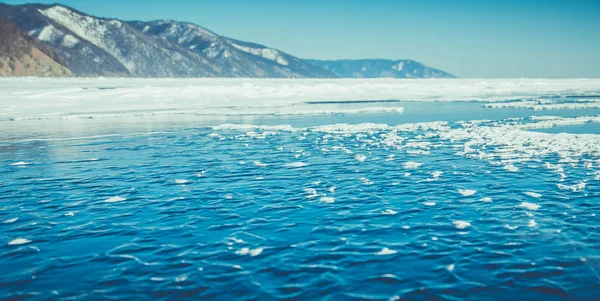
23 98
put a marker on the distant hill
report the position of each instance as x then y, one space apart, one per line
23 55
378 68
85 45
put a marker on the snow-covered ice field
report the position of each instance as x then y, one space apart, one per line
22 98
466 189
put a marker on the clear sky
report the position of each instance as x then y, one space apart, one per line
469 38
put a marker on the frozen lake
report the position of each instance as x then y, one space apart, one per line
299 189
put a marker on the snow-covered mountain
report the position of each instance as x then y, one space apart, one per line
377 68
22 55
94 46
235 58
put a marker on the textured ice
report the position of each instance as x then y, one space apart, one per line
544 104
285 208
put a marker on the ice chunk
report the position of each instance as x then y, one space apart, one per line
532 224
533 194
389 212
312 193
12 220
19 241
429 204
181 181
115 199
411 165
529 206
327 200
511 168
467 192
256 252
21 163
248 251
486 199
360 158
259 164
461 224
450 267
386 251
296 164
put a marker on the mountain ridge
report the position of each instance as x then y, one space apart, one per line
92 46
379 68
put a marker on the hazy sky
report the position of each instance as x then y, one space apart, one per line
469 38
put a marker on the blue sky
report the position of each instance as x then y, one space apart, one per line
469 38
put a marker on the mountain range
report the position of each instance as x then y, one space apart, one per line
55 40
